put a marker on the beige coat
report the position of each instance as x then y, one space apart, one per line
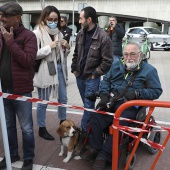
42 78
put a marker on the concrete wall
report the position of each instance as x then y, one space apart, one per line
155 9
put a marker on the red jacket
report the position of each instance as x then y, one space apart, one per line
23 50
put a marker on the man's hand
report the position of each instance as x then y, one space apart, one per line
132 95
104 99
7 35
113 23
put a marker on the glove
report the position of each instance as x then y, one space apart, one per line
132 95
104 99
113 99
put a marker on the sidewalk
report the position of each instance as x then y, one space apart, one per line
46 152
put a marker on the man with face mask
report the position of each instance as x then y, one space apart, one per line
92 58
146 86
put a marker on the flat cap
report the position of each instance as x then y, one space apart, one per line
11 8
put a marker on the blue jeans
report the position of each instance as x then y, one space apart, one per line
44 93
87 87
62 93
23 110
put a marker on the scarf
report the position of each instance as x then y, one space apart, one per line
46 81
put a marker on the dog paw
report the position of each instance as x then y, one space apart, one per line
77 158
65 160
61 154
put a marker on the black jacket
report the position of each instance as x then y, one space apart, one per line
67 32
116 38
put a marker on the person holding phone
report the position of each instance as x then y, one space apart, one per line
116 34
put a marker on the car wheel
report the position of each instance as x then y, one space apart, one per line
166 49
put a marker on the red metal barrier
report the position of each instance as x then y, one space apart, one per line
115 131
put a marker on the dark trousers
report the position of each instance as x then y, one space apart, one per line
98 123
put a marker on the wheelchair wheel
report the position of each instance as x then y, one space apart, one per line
155 136
132 164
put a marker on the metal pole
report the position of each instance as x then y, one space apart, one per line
73 20
4 133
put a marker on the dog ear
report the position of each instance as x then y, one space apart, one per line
71 123
60 132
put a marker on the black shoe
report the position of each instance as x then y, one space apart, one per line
27 165
13 159
62 121
99 163
89 155
44 134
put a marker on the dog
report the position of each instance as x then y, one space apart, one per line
69 135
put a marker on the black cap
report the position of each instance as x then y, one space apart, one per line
11 8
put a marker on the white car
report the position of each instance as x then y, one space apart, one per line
164 39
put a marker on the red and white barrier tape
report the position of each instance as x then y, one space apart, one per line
145 141
36 100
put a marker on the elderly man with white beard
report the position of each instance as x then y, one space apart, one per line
145 86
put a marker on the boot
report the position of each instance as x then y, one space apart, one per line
44 134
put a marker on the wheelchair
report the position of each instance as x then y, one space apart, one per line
154 135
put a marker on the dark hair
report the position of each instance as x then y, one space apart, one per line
90 12
113 17
65 18
46 12
11 8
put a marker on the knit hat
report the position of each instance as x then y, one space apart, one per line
11 9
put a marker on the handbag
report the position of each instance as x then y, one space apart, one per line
51 67
37 65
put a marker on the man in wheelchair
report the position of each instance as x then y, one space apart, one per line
128 79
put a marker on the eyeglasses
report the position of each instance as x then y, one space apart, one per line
52 19
132 54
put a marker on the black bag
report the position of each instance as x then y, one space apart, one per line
37 65
51 67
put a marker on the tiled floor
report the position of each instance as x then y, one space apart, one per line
46 152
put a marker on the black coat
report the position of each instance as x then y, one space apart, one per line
116 38
67 32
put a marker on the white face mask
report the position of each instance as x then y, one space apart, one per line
52 25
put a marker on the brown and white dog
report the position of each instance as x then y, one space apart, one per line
69 135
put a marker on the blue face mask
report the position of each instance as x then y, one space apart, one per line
52 25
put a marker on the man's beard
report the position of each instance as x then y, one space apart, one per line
131 64
86 26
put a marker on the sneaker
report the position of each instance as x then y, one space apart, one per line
13 159
90 155
99 163
27 165
44 133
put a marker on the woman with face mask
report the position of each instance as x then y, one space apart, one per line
51 76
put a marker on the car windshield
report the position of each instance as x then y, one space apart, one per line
152 31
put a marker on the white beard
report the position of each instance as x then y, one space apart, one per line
130 64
